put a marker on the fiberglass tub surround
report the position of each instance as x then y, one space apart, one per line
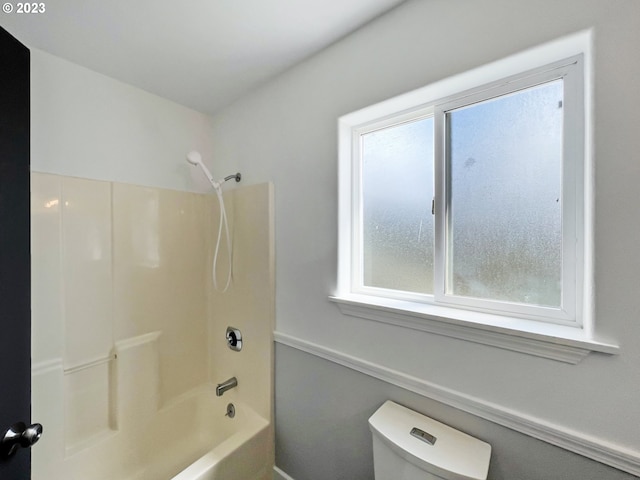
129 335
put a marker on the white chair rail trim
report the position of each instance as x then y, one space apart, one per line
583 444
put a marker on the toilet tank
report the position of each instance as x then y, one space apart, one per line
410 446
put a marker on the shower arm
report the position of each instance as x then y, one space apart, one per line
237 177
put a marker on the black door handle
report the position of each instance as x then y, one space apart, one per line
19 435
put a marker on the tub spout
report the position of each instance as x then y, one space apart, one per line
224 386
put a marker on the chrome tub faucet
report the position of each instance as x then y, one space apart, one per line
224 386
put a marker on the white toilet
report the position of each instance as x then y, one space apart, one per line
410 446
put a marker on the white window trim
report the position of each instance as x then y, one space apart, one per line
558 342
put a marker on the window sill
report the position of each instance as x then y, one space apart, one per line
556 342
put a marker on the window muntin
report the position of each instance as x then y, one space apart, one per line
554 293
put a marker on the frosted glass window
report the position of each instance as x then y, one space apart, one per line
505 195
472 201
397 224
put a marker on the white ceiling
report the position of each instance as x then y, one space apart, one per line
201 53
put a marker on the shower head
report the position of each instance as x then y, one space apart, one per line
194 158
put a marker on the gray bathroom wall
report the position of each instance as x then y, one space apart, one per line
322 432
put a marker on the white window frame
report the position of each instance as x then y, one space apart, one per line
567 334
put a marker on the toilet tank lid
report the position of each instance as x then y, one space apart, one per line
453 456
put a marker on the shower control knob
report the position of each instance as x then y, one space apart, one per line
234 339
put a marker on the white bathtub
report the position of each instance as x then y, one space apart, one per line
244 454
191 439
